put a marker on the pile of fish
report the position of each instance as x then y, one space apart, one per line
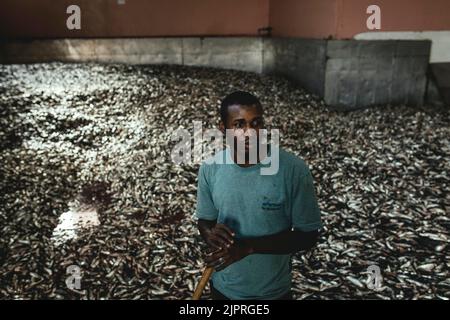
101 135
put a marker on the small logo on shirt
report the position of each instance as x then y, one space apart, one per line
271 205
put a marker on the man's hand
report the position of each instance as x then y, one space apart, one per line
222 258
219 237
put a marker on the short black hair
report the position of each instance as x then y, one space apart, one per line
241 98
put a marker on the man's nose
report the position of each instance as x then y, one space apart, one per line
248 131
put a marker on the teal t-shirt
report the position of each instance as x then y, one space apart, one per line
254 205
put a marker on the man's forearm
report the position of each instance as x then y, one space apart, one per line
285 242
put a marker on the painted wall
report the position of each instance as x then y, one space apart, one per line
303 18
343 19
347 19
135 18
319 19
402 20
396 15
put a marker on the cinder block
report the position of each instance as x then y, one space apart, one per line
77 49
360 48
347 73
413 48
367 89
301 60
222 45
229 53
246 61
138 46
341 49
378 49
364 73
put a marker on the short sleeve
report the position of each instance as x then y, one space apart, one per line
205 205
305 212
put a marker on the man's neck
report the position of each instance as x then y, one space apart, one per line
247 163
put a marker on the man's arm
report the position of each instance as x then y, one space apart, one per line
285 242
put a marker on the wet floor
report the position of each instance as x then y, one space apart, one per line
100 134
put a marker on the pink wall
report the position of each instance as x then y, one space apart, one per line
303 18
105 18
396 15
146 18
346 18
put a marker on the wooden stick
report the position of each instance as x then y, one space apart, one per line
202 284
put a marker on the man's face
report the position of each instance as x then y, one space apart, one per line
241 119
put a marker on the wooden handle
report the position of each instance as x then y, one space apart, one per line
202 284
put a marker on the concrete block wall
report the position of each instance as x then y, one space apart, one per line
351 74
228 53
348 74
440 79
240 53
301 60
365 73
133 51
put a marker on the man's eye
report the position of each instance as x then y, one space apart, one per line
256 123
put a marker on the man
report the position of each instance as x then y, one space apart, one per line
253 223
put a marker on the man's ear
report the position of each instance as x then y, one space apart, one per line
222 126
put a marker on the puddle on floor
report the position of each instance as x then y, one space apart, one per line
70 222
